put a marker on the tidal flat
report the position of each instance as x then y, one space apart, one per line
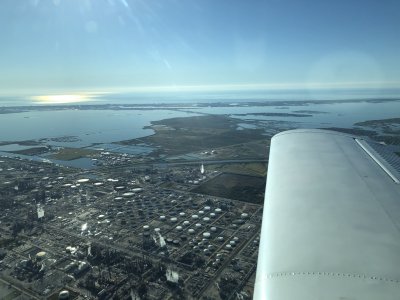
181 131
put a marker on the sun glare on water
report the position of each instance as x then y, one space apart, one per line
61 99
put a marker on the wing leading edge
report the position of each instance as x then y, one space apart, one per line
331 223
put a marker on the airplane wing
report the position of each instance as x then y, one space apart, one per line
331 223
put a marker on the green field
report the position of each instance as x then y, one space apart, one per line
192 134
253 169
235 186
72 153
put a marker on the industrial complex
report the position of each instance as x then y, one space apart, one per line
123 233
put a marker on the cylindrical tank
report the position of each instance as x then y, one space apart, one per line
206 235
40 255
63 295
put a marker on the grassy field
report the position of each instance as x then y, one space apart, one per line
72 153
32 151
235 186
252 150
193 134
252 169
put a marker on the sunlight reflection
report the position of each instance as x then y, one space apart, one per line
61 99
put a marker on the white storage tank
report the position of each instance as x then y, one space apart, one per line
63 295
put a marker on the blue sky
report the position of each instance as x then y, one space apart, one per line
101 45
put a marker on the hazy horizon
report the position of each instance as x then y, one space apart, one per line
63 46
170 96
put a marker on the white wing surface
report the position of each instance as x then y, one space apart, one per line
331 223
